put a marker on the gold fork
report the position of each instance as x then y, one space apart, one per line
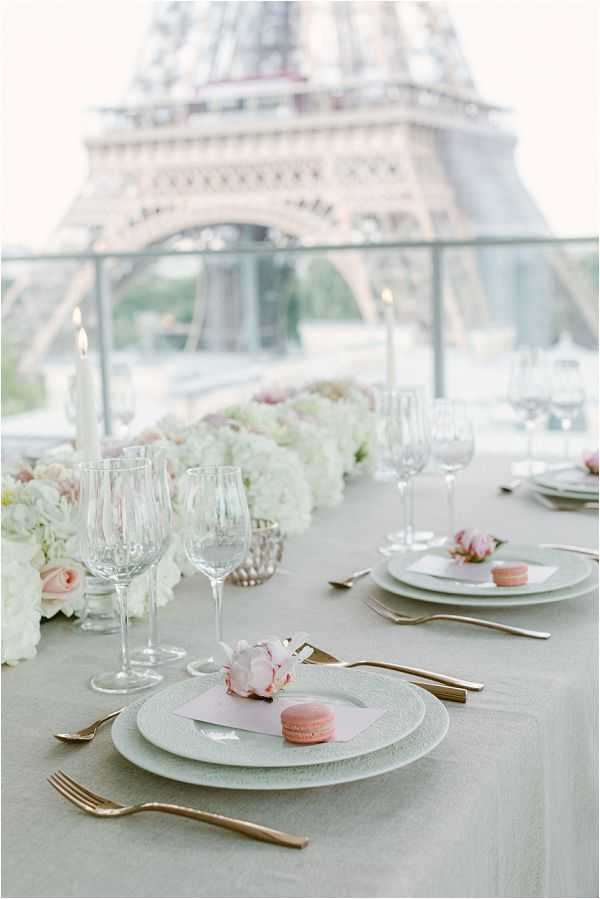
398 618
320 657
102 807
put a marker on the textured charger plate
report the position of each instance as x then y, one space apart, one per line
384 579
132 746
558 482
572 570
228 746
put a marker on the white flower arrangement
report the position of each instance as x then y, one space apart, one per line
294 449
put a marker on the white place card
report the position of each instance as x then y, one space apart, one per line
218 707
475 572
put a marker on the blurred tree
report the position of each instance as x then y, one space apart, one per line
19 394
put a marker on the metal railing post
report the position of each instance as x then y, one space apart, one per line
104 313
437 320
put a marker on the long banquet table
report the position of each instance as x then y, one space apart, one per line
506 805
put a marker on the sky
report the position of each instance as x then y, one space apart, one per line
60 58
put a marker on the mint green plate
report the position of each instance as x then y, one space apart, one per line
384 579
205 742
571 482
132 746
571 570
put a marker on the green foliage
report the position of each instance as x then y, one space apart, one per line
163 296
19 394
323 293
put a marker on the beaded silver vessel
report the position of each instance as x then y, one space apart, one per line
264 554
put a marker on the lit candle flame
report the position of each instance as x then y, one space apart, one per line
387 297
77 318
82 342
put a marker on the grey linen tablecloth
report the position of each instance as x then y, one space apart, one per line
505 806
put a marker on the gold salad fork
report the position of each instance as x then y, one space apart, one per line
399 618
101 807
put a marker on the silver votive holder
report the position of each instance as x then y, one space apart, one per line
99 614
264 555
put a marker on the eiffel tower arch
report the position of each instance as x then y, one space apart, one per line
324 122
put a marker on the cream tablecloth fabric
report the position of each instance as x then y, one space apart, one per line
505 806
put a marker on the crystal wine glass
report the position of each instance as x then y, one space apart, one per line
529 395
119 540
154 652
452 446
568 395
406 450
216 535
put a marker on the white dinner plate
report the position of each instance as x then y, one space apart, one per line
227 746
563 494
384 579
570 480
132 746
571 569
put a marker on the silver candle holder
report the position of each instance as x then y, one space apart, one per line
264 554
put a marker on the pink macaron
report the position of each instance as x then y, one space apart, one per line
510 574
308 722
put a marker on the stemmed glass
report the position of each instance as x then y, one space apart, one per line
568 395
155 653
216 534
529 394
406 442
452 446
119 539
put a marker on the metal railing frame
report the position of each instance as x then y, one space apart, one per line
436 248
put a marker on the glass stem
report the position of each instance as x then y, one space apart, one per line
566 426
450 482
121 590
410 499
153 606
529 426
402 485
216 585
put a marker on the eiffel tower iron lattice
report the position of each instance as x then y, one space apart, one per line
317 122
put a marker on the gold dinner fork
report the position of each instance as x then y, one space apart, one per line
101 807
399 618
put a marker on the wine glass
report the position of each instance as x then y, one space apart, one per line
119 540
385 472
529 395
568 395
154 653
452 446
406 449
216 535
122 395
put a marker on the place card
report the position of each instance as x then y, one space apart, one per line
218 707
475 572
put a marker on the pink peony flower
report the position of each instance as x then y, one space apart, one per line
264 668
24 475
471 545
590 460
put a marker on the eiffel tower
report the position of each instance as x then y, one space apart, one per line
299 122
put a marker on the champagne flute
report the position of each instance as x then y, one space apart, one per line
154 652
407 450
216 535
119 540
452 446
568 395
529 395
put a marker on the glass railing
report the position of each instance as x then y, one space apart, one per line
192 330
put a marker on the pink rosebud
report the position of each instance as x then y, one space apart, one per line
61 578
25 475
473 546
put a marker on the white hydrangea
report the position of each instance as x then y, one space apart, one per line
169 574
21 601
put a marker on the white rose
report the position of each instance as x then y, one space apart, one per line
21 602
